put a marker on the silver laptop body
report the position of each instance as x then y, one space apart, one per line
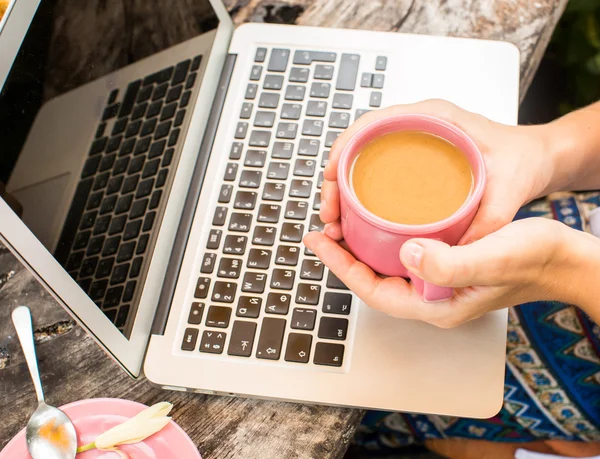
164 205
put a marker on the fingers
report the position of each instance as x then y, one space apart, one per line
330 202
333 231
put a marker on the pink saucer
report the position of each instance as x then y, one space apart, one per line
95 416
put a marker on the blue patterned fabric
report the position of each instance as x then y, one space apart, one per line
552 383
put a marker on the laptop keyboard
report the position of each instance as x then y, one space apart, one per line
260 291
109 227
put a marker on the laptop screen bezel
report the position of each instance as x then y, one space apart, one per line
129 354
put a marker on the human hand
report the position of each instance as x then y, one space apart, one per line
517 170
524 261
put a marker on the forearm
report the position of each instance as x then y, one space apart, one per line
573 147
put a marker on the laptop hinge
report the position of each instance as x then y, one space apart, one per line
191 201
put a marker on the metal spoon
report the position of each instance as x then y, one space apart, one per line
50 433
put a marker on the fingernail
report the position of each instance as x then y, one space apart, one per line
414 254
325 228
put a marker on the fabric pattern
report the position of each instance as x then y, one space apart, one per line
552 382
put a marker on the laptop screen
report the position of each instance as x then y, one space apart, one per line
92 119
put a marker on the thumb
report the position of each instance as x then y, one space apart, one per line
440 264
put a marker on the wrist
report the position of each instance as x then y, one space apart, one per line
556 147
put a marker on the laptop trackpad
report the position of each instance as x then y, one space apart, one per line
44 208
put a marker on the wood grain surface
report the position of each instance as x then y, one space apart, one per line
73 367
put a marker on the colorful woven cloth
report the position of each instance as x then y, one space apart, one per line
552 383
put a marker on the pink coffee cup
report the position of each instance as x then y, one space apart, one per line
377 242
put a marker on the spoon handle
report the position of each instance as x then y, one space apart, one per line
21 317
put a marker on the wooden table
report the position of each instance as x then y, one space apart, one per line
73 367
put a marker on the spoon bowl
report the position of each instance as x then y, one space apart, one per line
50 433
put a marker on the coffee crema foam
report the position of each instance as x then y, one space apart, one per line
411 177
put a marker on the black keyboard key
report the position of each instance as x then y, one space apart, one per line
98 289
129 291
278 303
125 252
259 138
274 82
105 267
111 245
168 157
160 91
337 303
91 166
342 101
139 111
256 72
273 191
375 99
119 274
378 80
323 72
245 200
339 120
299 74
230 172
111 111
159 77
325 158
168 111
81 240
298 348
88 220
136 165
218 316
312 270
142 145
287 255
300 188
296 210
162 178
330 354
85 284
309 147
304 319
132 230
149 221
214 239
307 57
235 245
174 94
121 166
255 158
229 268
185 99
191 80
251 91
75 261
144 93
153 110
88 267
366 80
312 127
108 204
291 111
250 179
224 292
95 246
219 216
101 225
242 338
101 181
202 287
95 200
295 92
144 188
268 213
334 282
261 54
181 71
190 337
287 130
208 263
271 338
268 100
236 150
119 126
112 97
259 259
129 99
155 199
316 108
320 90
196 63
148 127
249 306
122 316
264 119
213 342
315 223
136 267
142 244
151 168
111 314
246 111
308 294
348 71
240 222
162 130
331 137
130 184
98 146
320 180
282 279
291 232
157 148
282 150
225 193
333 328
278 171
264 235
279 59
254 282
196 312
241 130
124 204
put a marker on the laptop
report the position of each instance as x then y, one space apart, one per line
163 195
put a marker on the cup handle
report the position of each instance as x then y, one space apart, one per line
429 292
